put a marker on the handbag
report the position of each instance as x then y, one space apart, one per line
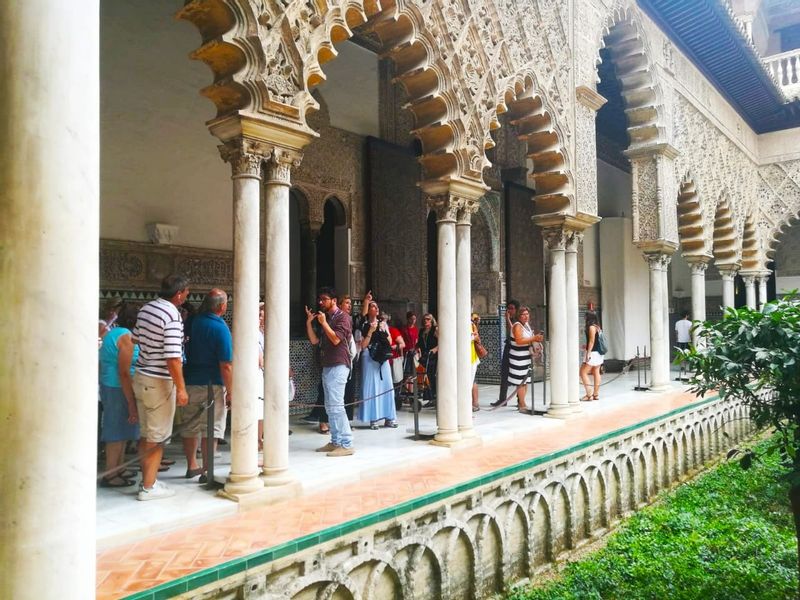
481 350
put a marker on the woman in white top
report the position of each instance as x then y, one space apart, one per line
593 360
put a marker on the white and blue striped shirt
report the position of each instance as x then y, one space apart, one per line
159 331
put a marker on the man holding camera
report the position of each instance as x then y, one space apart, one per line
334 341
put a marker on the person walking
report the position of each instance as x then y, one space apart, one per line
334 341
511 317
683 332
593 360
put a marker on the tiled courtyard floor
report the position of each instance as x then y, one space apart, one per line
145 544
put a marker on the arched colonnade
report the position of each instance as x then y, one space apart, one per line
460 70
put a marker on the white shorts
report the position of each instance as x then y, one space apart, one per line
595 359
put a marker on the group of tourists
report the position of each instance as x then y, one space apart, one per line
159 361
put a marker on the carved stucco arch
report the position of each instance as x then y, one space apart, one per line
626 40
266 57
531 112
777 231
725 247
691 225
753 257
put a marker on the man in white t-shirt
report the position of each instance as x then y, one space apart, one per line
683 332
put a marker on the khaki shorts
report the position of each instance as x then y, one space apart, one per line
155 401
193 417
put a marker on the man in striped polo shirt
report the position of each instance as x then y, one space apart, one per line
158 381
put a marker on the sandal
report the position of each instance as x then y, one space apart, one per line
324 428
373 426
109 483
595 396
392 424
167 462
586 398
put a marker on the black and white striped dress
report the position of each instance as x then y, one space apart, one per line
520 358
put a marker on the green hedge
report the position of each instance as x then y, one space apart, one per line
727 535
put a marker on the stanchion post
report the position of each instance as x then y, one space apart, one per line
415 405
210 483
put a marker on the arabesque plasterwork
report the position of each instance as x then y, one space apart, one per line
462 63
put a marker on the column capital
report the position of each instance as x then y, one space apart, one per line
445 206
657 261
728 271
698 268
244 156
749 279
280 163
454 199
469 207
574 240
556 238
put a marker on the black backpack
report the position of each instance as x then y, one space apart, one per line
380 350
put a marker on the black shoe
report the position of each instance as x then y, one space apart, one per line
203 478
429 404
310 418
222 442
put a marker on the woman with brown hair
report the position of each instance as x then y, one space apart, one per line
519 372
593 359
428 348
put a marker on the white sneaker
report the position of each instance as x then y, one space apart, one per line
157 492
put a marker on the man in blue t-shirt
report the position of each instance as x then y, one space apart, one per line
209 359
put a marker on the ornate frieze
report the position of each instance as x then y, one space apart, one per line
141 267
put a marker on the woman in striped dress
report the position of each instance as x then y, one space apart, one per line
520 356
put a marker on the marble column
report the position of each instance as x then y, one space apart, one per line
276 318
750 290
698 268
446 207
49 227
762 289
560 408
728 274
574 240
659 340
246 169
464 311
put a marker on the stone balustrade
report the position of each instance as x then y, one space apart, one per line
473 540
785 67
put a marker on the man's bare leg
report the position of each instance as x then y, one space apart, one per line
190 451
150 457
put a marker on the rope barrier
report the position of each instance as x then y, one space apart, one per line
125 464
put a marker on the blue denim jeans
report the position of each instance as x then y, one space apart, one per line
334 380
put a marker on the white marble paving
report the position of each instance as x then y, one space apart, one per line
121 518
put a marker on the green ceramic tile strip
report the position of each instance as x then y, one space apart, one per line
227 569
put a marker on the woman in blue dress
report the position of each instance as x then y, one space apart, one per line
376 377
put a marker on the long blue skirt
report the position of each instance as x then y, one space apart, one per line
378 391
